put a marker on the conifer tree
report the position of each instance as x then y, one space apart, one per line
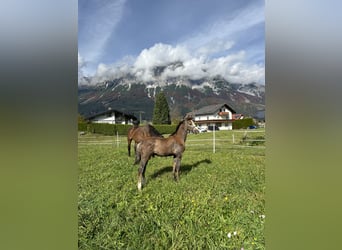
161 111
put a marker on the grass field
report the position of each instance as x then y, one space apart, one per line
217 204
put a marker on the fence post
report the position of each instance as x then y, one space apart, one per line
233 138
214 141
117 139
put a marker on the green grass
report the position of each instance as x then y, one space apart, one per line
217 194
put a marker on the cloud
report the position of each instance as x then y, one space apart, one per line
226 29
116 70
81 62
160 55
229 43
215 46
81 65
178 61
98 26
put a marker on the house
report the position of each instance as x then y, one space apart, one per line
219 115
112 116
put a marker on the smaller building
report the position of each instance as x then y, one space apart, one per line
112 116
218 116
259 118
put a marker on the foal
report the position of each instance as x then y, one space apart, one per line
174 146
138 133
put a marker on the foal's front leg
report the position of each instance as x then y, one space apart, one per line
141 174
176 167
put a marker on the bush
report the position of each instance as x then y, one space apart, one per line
104 128
122 129
166 129
82 126
243 123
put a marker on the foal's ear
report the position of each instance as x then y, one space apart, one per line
188 117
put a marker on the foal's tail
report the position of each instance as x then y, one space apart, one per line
138 153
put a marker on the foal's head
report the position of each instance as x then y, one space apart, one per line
190 125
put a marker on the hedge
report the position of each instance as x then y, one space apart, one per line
165 129
82 126
122 129
104 128
243 123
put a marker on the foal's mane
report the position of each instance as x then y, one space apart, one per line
153 131
177 127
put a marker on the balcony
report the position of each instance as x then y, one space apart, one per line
223 113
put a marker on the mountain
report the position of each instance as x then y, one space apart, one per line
132 95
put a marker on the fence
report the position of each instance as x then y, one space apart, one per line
213 141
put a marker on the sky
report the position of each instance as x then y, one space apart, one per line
209 37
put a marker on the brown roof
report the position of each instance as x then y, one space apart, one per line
237 116
211 109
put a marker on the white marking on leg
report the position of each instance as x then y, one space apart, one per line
139 185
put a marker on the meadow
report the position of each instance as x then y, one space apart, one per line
218 203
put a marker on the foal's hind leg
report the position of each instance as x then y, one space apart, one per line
137 153
135 149
129 141
141 173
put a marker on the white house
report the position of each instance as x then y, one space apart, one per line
219 115
112 116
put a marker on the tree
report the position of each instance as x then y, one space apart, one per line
161 111
80 119
176 115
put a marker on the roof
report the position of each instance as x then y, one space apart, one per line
211 109
237 116
110 111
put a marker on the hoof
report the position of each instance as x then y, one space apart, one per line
141 183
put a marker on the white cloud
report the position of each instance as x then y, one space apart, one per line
215 46
233 67
206 52
81 62
98 27
193 67
108 72
81 65
222 35
160 55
